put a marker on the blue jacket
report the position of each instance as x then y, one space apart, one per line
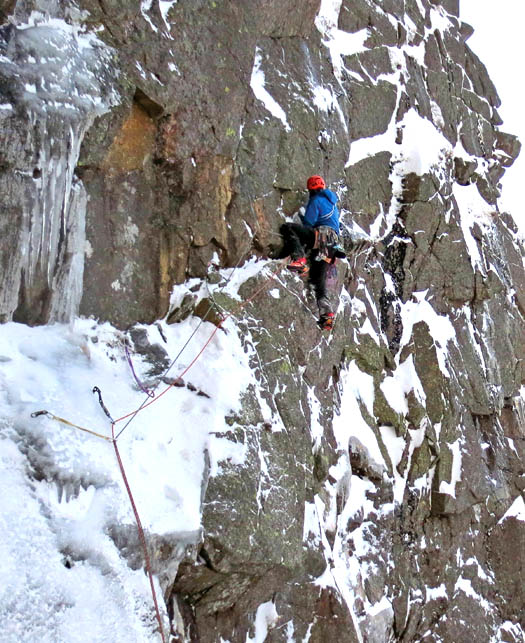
322 210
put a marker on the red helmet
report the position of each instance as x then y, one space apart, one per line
315 183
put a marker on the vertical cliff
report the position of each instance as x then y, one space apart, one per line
365 486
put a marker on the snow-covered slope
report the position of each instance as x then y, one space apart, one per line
63 491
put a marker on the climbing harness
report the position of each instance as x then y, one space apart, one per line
327 244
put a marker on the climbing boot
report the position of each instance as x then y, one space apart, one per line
299 266
326 321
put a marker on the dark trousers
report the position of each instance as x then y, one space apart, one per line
298 240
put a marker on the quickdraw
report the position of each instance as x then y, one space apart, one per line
101 402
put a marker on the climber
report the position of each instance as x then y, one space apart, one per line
317 236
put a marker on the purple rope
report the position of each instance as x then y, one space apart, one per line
139 383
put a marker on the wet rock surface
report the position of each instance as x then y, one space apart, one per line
155 161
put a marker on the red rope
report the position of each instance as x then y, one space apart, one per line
141 533
113 439
170 386
145 406
140 530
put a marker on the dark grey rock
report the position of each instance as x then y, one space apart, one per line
380 100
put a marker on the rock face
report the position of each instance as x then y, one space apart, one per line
380 497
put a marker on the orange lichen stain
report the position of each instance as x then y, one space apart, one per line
169 139
262 220
133 145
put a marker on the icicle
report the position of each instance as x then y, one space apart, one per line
64 80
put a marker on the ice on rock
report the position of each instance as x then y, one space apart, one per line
62 79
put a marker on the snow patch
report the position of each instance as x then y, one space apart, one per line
410 155
311 525
472 209
323 98
362 386
455 475
381 606
316 428
514 629
165 6
265 618
516 510
257 83
465 585
368 329
145 6
434 593
440 19
224 450
339 43
440 327
237 276
397 386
